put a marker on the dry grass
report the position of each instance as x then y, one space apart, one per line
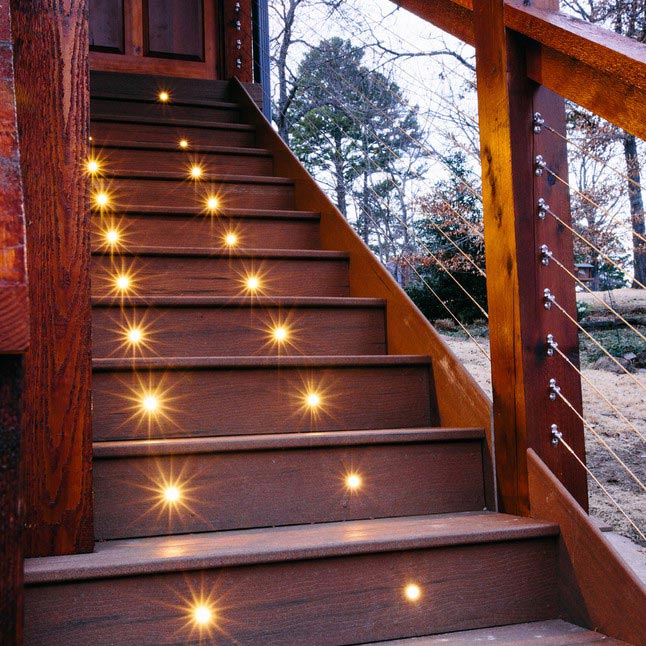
627 397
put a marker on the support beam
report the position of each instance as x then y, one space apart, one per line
517 318
51 62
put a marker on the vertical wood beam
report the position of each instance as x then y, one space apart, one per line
233 53
51 62
517 317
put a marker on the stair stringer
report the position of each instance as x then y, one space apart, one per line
460 400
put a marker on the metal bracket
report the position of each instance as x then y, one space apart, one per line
540 165
237 7
557 436
548 299
538 122
555 390
551 345
239 63
546 255
543 208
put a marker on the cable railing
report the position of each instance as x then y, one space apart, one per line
426 144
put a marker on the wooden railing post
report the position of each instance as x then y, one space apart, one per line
51 63
518 321
14 340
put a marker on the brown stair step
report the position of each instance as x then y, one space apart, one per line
170 160
116 85
152 110
210 326
223 134
211 396
185 271
229 191
251 230
318 477
335 583
554 632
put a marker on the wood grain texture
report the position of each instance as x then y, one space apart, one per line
171 135
11 501
235 161
14 300
217 112
550 633
231 192
462 402
397 480
222 276
598 589
352 598
239 330
449 15
186 230
234 400
51 49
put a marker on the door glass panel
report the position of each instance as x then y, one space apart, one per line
175 29
106 26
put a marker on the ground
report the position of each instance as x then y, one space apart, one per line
623 392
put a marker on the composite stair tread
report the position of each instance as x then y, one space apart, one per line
180 177
219 252
173 147
166 122
201 103
269 545
555 632
222 444
278 214
228 363
243 301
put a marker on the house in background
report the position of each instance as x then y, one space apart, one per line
221 420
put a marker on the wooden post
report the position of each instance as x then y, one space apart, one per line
518 320
51 62
14 340
238 56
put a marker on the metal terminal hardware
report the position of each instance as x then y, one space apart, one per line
236 7
551 345
238 25
548 299
538 122
555 390
239 63
540 165
543 208
546 255
557 436
238 44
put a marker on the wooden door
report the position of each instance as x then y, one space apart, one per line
166 37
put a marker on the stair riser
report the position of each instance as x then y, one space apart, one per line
134 193
108 108
133 161
344 600
205 231
239 401
221 276
106 131
397 480
234 331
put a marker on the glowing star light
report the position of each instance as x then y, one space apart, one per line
280 334
135 336
412 592
92 167
163 97
101 200
252 284
183 143
196 173
112 237
212 204
172 494
150 404
231 240
122 283
353 481
202 615
313 400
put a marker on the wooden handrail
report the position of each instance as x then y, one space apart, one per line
583 62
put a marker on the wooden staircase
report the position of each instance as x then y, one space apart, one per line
257 490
